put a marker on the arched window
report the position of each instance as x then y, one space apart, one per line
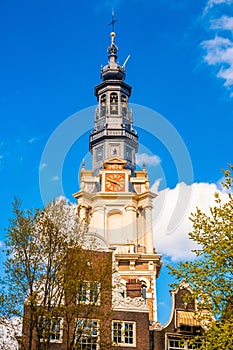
103 105
124 105
145 286
114 103
144 292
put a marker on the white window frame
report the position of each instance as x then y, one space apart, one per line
186 346
60 340
89 335
123 333
88 293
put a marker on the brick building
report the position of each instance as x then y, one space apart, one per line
92 316
182 325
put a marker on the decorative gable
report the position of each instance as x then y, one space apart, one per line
115 163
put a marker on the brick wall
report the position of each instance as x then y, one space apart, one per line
142 328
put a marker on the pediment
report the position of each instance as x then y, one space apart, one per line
114 161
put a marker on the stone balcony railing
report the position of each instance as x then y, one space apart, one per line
130 249
108 132
113 109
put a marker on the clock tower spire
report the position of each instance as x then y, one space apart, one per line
113 134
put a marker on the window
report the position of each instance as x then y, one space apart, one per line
123 333
94 292
103 106
55 333
124 105
176 344
114 103
144 292
87 335
194 346
179 344
82 294
184 328
50 328
89 292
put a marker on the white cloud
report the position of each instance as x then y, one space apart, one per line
147 159
222 23
217 2
55 178
211 3
219 51
227 74
172 209
32 140
42 166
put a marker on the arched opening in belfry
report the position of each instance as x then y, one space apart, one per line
113 103
103 105
124 105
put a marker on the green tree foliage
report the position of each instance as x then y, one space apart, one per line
45 268
211 273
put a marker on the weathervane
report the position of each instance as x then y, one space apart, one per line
113 21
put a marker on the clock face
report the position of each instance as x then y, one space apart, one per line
114 182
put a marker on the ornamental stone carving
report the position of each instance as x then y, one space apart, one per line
119 302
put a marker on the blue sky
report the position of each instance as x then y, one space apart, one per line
181 66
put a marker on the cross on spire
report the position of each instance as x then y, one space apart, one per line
113 21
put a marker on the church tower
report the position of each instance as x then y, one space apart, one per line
113 134
114 196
